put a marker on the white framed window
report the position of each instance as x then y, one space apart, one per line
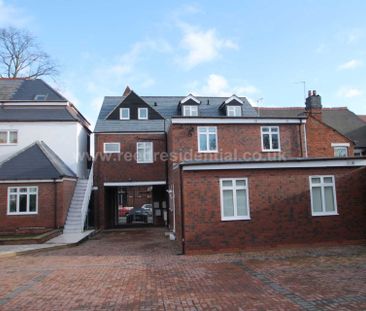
143 113
207 139
190 111
233 111
40 97
124 113
340 149
112 148
22 200
270 138
323 196
234 199
144 152
8 137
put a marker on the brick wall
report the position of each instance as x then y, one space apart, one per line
117 168
238 141
320 137
279 206
50 195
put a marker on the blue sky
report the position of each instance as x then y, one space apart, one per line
258 49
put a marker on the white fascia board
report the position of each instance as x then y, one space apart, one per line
235 120
134 183
35 103
278 165
233 97
190 96
35 181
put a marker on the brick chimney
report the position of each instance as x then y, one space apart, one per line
127 91
313 105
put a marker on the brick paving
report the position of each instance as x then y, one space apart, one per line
141 270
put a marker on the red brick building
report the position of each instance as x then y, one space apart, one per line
223 175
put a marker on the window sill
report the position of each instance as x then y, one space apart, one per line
272 150
235 219
22 214
210 151
324 214
8 144
145 162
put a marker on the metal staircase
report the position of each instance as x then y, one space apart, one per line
77 213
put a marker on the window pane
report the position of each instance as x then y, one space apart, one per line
228 203
111 147
266 144
212 130
241 201
194 111
140 155
202 130
212 141
240 183
275 144
13 203
13 137
33 190
274 129
265 129
340 152
315 180
203 142
23 190
328 179
3 137
23 203
329 199
317 199
13 190
32 202
227 183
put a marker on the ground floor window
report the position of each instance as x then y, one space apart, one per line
323 195
22 200
234 199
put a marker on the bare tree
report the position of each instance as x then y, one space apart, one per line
21 56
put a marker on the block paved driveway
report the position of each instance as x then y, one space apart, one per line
140 270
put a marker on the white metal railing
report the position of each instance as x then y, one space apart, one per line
86 199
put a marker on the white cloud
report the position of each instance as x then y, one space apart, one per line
218 85
352 64
202 45
349 92
12 16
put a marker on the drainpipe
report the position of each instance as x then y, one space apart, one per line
56 199
182 208
305 141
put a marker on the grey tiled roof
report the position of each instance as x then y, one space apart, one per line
167 106
36 161
341 119
26 90
14 113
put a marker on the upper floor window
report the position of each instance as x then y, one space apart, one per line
8 137
143 113
340 150
190 111
207 139
112 148
234 199
323 196
124 113
144 152
22 200
233 111
270 138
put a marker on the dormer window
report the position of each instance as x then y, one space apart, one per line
233 111
189 106
143 113
40 97
190 111
124 113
